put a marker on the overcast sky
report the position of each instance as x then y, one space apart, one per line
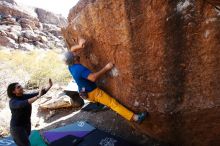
56 6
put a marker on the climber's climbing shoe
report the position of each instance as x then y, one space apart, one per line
141 117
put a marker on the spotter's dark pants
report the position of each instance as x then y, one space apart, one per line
21 135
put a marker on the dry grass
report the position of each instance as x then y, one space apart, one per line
35 66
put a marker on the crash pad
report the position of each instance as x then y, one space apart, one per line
7 141
78 129
94 107
77 126
68 140
101 138
36 139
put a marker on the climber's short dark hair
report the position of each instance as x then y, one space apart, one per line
10 89
70 58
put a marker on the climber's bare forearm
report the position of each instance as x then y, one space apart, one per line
33 99
48 87
95 76
79 46
76 48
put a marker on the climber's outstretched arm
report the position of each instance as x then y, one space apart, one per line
79 46
95 76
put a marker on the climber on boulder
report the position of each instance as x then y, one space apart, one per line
87 87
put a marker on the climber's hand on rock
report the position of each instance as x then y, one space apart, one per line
109 66
79 46
49 86
82 42
40 92
50 83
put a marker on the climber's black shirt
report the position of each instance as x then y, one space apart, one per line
21 110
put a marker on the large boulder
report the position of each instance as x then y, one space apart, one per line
51 18
3 33
63 101
8 42
26 47
214 2
10 1
12 35
34 27
15 29
8 20
166 56
24 22
10 8
31 35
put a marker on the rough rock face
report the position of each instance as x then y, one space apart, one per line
11 2
61 102
48 17
166 56
23 28
10 7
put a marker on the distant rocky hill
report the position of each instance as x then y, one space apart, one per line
28 28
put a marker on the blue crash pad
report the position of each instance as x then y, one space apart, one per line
7 141
77 126
35 140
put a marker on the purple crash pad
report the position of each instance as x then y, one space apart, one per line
77 129
52 136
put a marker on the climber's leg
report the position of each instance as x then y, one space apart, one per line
100 96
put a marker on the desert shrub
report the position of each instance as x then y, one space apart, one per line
37 66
